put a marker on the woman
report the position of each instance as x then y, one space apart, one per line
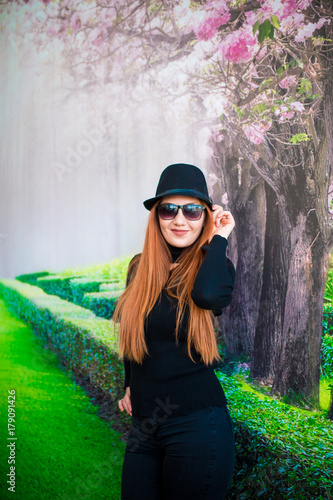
181 444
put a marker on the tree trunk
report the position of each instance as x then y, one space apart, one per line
272 299
297 362
301 242
246 198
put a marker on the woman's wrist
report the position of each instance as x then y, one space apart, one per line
224 232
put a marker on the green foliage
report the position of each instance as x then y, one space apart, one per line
327 338
275 22
111 287
259 108
266 29
320 40
82 286
32 277
56 285
327 356
290 64
328 294
111 271
299 138
282 452
102 304
119 270
305 86
328 319
73 284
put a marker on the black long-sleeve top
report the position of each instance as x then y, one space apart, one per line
168 380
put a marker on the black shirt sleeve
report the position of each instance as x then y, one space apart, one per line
127 366
215 279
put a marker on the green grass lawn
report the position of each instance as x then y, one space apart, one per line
324 392
63 449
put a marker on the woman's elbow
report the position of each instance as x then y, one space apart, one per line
211 302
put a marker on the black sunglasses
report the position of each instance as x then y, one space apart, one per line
191 211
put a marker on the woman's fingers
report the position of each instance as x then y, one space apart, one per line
125 404
223 222
221 217
217 214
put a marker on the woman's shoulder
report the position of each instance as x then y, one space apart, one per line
132 268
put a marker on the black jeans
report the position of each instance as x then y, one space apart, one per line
188 457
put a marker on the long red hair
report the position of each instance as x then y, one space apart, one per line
151 275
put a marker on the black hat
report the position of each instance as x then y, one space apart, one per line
181 178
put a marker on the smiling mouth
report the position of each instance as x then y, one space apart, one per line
179 232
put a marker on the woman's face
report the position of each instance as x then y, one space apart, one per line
181 232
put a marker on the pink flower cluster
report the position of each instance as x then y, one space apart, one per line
288 81
298 106
284 114
255 133
210 24
279 8
243 367
75 22
98 35
238 46
307 30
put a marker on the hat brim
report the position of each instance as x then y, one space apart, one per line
186 192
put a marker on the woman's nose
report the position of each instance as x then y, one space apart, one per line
180 219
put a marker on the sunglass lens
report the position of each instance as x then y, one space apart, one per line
192 212
167 212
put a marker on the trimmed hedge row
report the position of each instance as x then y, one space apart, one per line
57 285
32 277
82 286
97 294
85 344
115 270
102 304
282 452
112 286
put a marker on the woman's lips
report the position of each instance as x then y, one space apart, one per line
179 232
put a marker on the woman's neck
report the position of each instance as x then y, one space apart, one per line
175 252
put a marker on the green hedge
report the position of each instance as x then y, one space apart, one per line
82 286
73 284
57 285
112 286
102 303
282 452
32 277
115 270
85 344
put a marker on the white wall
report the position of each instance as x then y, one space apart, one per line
61 209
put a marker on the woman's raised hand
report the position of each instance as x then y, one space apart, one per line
125 403
223 222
